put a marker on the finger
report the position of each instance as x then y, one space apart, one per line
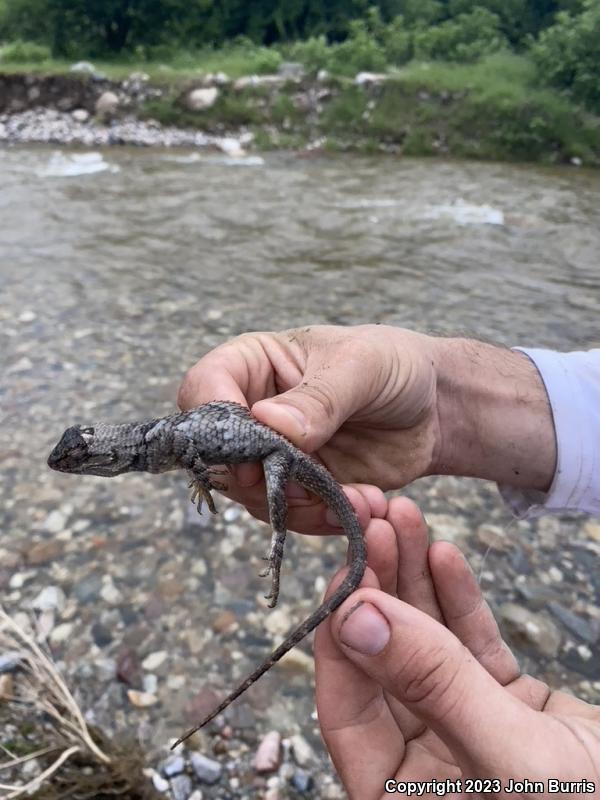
352 711
467 614
426 667
414 584
382 553
332 388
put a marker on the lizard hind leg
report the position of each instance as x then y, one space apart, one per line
201 482
276 468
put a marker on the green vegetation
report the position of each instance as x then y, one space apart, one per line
503 78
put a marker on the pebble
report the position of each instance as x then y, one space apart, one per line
302 781
196 795
141 699
266 758
52 597
448 527
531 628
110 594
173 766
206 769
303 752
278 622
10 660
493 536
6 687
61 633
574 623
181 787
160 783
101 635
154 660
55 521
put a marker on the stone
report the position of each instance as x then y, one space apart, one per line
298 661
61 633
225 621
110 594
196 795
128 667
141 699
201 99
591 529
83 66
493 536
55 521
10 660
154 660
159 783
181 787
302 781
88 587
173 766
43 552
6 687
303 752
370 78
205 769
106 105
574 623
80 115
532 629
448 527
278 622
52 597
266 758
101 635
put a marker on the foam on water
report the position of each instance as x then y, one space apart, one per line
69 165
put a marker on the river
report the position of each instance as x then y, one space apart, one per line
119 269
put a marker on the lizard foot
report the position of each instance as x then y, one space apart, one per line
200 492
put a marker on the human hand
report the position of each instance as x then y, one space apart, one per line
414 682
382 406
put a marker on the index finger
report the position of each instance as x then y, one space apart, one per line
219 375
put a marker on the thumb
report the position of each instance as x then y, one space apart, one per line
310 413
423 664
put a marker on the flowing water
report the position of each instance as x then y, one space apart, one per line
119 269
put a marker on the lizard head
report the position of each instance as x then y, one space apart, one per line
90 451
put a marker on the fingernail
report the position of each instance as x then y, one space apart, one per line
297 416
365 630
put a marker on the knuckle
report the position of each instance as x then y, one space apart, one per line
427 677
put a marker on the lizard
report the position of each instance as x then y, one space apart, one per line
202 441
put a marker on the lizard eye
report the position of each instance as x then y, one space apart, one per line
86 431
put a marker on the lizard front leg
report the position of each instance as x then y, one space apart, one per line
277 469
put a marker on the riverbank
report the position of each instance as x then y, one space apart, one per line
490 110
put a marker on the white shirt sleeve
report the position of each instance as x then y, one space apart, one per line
572 381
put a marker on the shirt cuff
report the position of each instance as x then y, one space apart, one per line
572 382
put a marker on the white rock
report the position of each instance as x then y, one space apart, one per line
80 115
106 105
27 316
266 758
52 597
141 699
154 660
369 78
61 633
110 594
200 99
55 521
83 66
303 752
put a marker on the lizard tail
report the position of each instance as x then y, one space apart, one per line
334 601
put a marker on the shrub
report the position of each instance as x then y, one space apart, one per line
568 54
467 37
20 52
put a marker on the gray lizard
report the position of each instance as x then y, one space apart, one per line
199 440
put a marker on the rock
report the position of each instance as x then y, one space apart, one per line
181 787
576 161
303 752
42 552
591 529
172 766
52 597
106 105
80 115
302 781
101 635
531 629
206 769
370 78
200 99
574 623
196 795
154 660
278 622
61 633
8 559
159 783
88 588
141 699
291 70
6 687
266 758
109 593
83 66
55 521
448 527
323 76
494 537
10 660
225 621
128 667
298 661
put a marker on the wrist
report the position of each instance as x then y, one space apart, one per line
494 417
